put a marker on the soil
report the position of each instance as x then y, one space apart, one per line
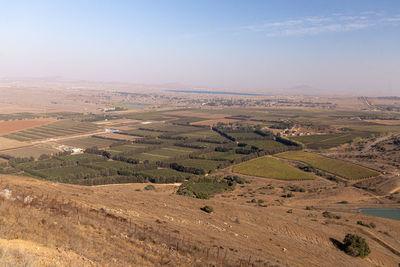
239 231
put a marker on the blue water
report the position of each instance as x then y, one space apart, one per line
385 213
135 105
212 92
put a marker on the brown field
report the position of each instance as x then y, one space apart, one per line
120 136
213 122
6 143
32 151
12 126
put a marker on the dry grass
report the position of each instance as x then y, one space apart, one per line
116 225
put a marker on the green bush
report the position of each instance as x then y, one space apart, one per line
204 188
356 246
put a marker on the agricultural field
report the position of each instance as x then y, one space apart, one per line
151 116
31 151
187 120
17 125
170 128
327 141
204 164
141 133
213 122
338 167
56 129
163 154
270 146
273 168
6 143
66 174
86 142
229 156
244 135
121 137
207 135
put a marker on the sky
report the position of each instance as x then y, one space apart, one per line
249 45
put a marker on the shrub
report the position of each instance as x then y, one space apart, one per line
149 187
330 215
356 246
207 209
370 225
204 188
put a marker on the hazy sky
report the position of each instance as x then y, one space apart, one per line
330 45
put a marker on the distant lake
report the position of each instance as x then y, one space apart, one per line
212 92
135 105
385 213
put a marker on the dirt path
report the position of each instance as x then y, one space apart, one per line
366 149
65 138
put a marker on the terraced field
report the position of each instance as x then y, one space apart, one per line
341 168
270 167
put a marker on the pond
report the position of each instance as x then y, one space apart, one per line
385 213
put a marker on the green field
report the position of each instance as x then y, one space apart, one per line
142 133
207 165
341 168
271 168
204 134
127 148
230 155
325 141
267 145
244 135
87 142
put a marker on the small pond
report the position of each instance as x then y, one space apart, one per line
385 213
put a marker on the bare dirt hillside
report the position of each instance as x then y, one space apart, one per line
125 225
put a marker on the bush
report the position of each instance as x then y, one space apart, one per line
371 225
330 215
149 187
356 246
207 209
204 188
